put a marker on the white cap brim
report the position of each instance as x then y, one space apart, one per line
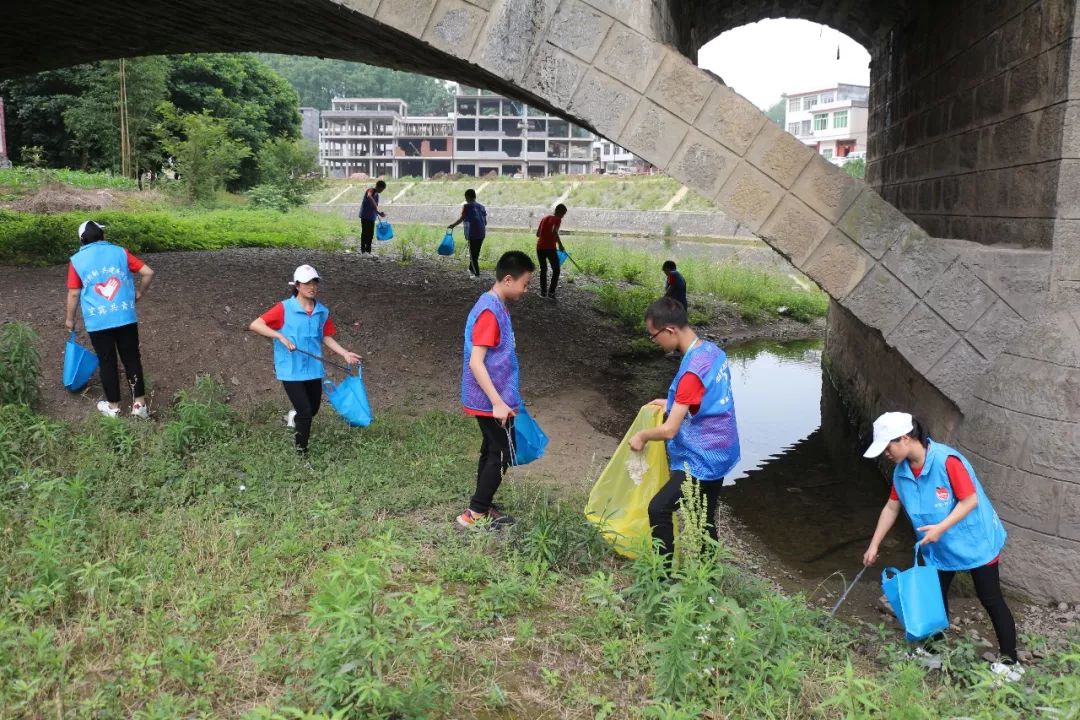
875 449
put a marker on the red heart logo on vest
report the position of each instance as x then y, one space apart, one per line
942 493
108 289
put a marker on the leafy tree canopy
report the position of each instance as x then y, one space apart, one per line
317 81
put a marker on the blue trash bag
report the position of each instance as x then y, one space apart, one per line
79 365
915 597
446 247
349 398
384 230
529 440
563 257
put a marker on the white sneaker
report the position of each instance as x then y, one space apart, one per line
290 419
107 410
140 410
1009 672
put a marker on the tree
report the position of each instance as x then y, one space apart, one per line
257 103
35 107
855 167
289 172
317 81
202 151
777 112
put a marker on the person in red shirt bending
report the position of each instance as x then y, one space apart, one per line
548 245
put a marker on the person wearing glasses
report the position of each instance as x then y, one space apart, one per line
699 427
300 326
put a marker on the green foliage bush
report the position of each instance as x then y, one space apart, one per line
19 364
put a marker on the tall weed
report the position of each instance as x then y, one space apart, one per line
19 364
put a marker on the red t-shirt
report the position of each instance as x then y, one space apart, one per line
959 481
690 391
485 333
275 320
545 234
74 282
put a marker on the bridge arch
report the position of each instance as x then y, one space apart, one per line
942 309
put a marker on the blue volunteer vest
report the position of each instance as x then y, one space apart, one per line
475 223
307 332
707 441
928 499
108 292
501 361
367 207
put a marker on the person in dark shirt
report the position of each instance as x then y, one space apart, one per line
369 213
676 284
474 217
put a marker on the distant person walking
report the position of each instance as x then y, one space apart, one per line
300 326
101 281
369 213
675 285
474 218
548 245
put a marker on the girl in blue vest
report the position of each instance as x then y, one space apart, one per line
474 217
700 427
490 389
952 516
101 282
301 323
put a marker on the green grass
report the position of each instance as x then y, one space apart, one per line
196 567
617 193
29 239
692 202
17 181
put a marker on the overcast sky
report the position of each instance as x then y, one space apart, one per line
763 60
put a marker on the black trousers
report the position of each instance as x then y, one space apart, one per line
122 341
306 397
545 257
987 581
474 255
367 232
664 503
495 454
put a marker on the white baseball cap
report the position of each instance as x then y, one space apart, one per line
303 274
89 223
887 428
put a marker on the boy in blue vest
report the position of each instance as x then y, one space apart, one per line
954 521
474 217
101 281
369 213
699 427
301 323
490 389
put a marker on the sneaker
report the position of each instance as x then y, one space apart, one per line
290 419
500 518
140 410
107 410
1007 669
470 519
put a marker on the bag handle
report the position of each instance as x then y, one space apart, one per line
918 553
885 574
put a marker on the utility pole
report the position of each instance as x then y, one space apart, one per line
125 138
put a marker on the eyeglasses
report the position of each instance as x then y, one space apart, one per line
653 335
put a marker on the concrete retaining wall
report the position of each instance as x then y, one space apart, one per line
650 222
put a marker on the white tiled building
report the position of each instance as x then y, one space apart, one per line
615 159
831 120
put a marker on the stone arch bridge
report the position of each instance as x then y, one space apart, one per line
954 270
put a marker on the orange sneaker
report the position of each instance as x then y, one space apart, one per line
470 519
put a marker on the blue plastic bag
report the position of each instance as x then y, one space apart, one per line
384 230
563 256
529 440
446 247
79 365
916 599
349 398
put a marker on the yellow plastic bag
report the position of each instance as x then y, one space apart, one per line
619 502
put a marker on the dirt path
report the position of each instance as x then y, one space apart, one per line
405 320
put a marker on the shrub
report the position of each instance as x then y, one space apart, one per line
19 371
